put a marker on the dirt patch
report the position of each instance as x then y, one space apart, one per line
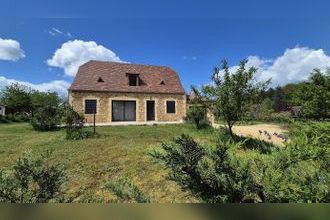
254 131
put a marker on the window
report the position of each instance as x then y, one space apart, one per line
133 80
90 106
170 107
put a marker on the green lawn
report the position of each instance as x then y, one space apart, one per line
119 152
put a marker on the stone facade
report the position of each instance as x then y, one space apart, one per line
104 105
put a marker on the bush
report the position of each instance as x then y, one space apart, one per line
197 114
46 118
79 133
126 191
22 117
74 123
296 172
18 117
31 180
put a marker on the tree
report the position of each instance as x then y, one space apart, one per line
22 99
313 96
233 94
280 100
17 98
32 180
42 99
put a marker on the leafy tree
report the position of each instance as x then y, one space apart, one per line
280 100
22 99
32 180
42 99
17 98
313 96
233 94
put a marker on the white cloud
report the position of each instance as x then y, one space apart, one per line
55 31
59 86
10 50
292 66
74 53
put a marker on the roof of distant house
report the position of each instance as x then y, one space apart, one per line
102 76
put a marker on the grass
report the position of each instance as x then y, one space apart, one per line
120 152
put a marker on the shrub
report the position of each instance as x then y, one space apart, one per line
31 180
22 117
74 123
126 191
46 118
198 115
296 172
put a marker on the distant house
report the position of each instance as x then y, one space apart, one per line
2 110
122 92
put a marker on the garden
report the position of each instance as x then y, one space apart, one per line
48 155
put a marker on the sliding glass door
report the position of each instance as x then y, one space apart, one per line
123 111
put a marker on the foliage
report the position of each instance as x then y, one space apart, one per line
20 99
126 191
247 142
31 180
18 117
313 96
17 97
225 173
197 114
74 123
280 117
260 111
46 118
233 95
42 99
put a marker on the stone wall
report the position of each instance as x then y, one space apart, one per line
104 105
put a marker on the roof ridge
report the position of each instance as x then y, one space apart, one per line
127 63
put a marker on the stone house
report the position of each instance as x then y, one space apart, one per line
127 93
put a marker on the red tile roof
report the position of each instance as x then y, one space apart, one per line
114 76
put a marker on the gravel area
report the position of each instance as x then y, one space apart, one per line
254 131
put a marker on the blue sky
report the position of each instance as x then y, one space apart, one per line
284 39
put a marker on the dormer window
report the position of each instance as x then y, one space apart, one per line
133 80
162 83
100 80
